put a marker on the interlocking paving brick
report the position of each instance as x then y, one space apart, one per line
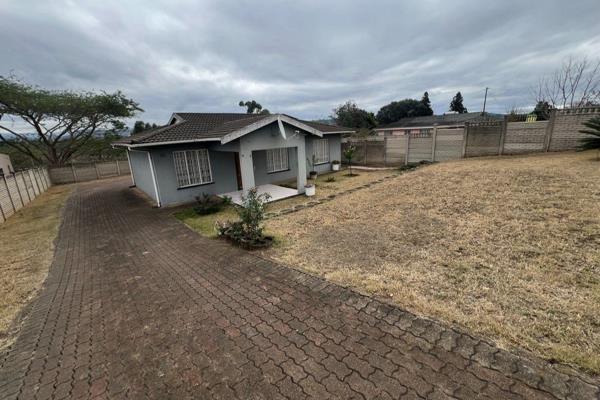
136 305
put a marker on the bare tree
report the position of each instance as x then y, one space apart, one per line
575 84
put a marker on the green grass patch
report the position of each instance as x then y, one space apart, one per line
205 224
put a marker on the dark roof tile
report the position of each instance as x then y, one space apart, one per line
198 126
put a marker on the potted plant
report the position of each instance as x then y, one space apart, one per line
309 189
335 165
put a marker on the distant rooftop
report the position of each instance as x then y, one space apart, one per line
442 120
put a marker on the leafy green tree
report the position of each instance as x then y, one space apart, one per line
593 141
63 121
253 107
427 103
351 116
99 148
457 104
397 110
542 110
141 126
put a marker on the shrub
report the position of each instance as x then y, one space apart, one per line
248 231
592 141
331 178
210 204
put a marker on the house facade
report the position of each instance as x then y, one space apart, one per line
210 153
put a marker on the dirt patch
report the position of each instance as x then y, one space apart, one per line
27 248
507 247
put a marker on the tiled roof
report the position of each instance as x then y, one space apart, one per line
445 119
199 126
326 128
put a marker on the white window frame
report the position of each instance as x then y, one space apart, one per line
278 160
323 145
183 173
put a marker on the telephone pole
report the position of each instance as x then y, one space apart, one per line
485 100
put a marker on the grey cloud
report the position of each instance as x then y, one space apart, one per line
300 57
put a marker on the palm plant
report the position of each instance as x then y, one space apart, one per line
591 142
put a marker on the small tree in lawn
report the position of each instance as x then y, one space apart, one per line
349 155
592 142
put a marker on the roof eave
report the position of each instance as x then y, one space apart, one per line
238 133
152 144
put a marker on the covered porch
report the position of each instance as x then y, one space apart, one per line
265 158
275 192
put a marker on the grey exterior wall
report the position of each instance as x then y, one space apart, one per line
223 173
142 175
261 176
222 161
335 151
269 137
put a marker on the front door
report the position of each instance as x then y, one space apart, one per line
238 171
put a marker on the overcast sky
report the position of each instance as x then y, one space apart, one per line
296 57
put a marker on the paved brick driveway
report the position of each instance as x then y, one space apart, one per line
138 306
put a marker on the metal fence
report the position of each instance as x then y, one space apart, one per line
20 189
560 132
88 172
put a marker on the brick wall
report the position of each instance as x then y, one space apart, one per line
567 123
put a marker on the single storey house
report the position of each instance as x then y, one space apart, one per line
423 126
226 154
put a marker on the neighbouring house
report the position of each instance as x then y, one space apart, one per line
226 154
6 167
423 126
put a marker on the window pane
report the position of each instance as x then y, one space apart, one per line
277 160
204 162
321 150
284 159
270 166
193 167
180 168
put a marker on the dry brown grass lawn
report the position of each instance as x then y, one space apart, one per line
341 181
27 248
506 247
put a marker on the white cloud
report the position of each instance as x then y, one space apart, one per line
300 57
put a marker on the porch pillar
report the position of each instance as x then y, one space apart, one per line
247 169
301 178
